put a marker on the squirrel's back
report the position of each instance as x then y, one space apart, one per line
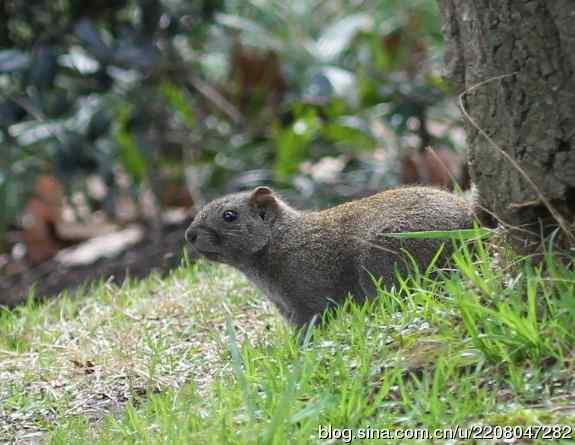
401 209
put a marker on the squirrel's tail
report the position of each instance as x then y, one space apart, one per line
486 218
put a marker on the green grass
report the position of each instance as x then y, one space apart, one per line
200 358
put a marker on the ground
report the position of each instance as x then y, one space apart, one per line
52 277
200 357
89 356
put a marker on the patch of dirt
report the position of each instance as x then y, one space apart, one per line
52 277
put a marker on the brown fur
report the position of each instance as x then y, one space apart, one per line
306 261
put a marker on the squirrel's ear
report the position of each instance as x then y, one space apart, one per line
262 198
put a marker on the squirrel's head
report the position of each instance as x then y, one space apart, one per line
235 227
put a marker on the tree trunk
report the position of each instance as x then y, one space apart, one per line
521 135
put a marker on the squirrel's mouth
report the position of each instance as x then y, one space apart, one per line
209 254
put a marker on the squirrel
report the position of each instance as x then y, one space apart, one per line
307 262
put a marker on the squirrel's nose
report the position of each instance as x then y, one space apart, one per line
191 235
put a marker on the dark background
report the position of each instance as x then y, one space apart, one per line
123 115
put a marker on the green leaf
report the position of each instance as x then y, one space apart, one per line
293 143
130 154
337 36
352 137
458 234
176 96
256 33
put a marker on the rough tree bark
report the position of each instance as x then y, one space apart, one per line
529 114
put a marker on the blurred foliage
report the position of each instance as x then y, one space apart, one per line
224 93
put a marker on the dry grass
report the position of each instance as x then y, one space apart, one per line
90 353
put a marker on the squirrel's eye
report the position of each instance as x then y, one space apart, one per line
230 215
